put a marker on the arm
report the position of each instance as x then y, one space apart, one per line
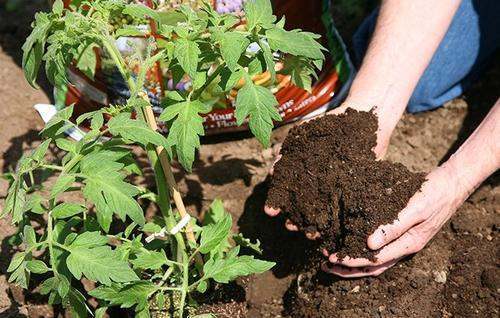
406 36
446 188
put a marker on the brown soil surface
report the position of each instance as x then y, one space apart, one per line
466 250
328 181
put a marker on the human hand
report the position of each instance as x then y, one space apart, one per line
423 217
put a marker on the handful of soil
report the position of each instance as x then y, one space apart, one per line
328 181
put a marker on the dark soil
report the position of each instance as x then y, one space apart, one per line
329 181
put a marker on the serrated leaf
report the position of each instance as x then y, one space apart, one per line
226 270
259 105
62 184
129 30
232 45
104 186
240 240
63 286
66 210
79 308
99 264
259 13
229 79
16 261
87 60
58 7
187 53
140 11
33 48
216 213
214 235
149 260
186 129
89 240
135 130
41 150
295 42
37 267
126 296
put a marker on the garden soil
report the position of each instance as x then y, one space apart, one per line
456 275
328 181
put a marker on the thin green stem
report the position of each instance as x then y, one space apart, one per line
185 285
50 243
210 79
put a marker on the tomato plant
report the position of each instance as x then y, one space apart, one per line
105 237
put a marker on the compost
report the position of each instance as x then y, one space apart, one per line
328 181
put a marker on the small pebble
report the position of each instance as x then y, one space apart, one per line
439 276
489 237
355 289
454 296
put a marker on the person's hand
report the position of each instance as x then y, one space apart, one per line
423 217
383 136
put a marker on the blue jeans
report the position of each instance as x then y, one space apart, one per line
468 45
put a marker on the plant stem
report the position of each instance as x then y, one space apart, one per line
210 79
185 284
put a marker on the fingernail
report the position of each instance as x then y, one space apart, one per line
376 240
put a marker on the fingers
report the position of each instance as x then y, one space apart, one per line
290 226
407 244
271 211
355 272
407 218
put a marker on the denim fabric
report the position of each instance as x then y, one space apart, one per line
468 45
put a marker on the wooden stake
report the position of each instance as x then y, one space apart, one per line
167 170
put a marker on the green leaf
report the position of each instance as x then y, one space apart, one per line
62 184
99 264
37 267
269 59
16 261
214 235
240 240
87 60
126 296
226 270
259 104
187 53
63 286
89 240
216 213
150 260
186 129
29 235
66 210
129 30
41 150
135 130
259 13
202 286
79 308
232 45
140 11
229 79
104 186
295 42
34 46
58 7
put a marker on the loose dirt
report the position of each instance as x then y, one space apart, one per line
328 181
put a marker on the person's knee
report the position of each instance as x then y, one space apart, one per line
427 96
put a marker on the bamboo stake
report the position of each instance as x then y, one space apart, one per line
167 170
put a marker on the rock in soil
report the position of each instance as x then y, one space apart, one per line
329 181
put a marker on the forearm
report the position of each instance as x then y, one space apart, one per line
405 38
479 156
